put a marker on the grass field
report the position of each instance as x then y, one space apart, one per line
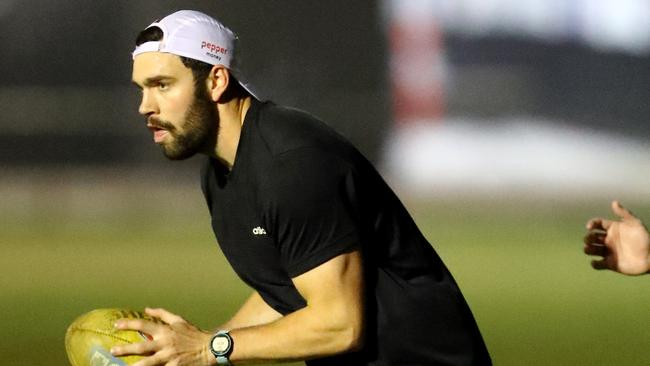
81 242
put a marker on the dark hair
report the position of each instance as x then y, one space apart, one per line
200 69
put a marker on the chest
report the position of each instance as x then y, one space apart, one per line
242 233
247 240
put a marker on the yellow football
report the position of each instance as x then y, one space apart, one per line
90 337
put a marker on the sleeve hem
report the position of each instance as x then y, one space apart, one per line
345 245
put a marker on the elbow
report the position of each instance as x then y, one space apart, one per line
350 329
352 339
343 336
356 342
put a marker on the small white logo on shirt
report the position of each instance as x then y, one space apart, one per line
259 231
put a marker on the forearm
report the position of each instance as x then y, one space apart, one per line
305 334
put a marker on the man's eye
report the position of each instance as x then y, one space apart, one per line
163 86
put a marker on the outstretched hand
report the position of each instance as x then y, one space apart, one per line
624 245
177 342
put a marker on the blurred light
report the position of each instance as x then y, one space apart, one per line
614 25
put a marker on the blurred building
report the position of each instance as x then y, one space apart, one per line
579 62
530 94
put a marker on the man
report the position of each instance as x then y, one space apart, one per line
341 274
624 245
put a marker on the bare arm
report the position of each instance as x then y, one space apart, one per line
331 323
254 311
624 244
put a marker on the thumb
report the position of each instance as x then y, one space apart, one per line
622 212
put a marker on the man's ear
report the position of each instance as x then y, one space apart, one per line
218 81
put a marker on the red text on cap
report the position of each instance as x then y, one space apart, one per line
214 47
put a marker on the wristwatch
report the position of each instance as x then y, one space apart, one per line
221 347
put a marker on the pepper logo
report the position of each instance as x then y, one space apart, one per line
214 48
259 231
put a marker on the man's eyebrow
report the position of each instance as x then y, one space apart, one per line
152 81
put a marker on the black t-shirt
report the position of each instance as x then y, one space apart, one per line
299 195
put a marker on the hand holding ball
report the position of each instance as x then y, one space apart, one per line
91 336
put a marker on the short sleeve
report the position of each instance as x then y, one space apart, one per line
309 206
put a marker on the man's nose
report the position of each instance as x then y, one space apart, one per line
147 104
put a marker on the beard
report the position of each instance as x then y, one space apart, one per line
197 132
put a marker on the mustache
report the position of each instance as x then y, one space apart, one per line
159 123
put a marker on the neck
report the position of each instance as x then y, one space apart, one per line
231 119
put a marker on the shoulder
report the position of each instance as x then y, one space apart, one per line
285 129
303 155
309 166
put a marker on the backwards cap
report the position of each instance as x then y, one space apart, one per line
198 36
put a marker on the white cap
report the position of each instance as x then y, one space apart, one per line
198 36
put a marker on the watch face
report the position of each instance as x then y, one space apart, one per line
220 344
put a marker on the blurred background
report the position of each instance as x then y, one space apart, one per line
503 125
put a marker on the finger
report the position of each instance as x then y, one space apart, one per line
622 212
599 250
144 326
142 348
595 237
598 224
600 264
164 315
